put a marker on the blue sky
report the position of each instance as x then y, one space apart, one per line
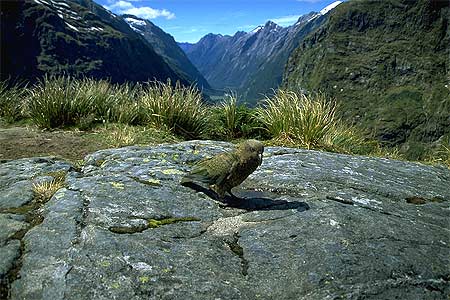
189 20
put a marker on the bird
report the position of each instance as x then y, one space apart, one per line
228 169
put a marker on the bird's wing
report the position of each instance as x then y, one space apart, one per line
212 170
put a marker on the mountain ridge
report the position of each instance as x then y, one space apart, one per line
386 64
251 63
165 45
77 38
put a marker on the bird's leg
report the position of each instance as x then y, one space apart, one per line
220 194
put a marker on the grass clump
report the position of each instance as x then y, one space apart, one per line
441 153
58 102
43 191
294 119
64 101
178 108
230 120
11 102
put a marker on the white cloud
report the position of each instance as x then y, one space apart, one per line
119 6
149 13
145 12
286 20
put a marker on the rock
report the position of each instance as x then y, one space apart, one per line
312 225
16 178
18 211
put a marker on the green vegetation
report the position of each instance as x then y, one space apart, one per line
11 101
386 63
120 115
155 223
175 107
43 191
229 121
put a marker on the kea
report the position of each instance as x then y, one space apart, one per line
227 170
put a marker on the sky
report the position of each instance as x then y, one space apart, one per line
190 20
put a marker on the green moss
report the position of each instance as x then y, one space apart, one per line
151 181
155 223
144 279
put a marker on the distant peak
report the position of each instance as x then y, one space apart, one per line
330 7
306 18
270 24
257 29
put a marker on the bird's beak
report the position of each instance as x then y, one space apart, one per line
260 156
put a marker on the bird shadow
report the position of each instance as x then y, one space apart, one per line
251 203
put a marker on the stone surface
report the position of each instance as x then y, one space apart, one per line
311 225
17 178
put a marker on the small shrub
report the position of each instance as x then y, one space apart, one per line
175 107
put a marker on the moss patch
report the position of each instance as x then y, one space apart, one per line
151 223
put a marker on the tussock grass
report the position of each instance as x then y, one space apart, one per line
441 154
296 120
64 101
230 113
11 101
58 102
43 191
178 108
158 112
229 120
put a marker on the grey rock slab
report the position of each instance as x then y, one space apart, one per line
10 224
311 225
17 178
9 252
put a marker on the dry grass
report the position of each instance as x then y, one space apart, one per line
45 190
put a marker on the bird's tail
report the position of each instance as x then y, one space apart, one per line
185 180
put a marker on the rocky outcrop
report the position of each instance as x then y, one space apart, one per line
311 225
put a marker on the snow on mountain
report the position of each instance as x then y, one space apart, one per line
257 29
330 7
71 18
132 21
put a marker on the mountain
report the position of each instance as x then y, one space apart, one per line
251 63
75 37
387 64
185 46
164 44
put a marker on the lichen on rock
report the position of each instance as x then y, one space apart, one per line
308 225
